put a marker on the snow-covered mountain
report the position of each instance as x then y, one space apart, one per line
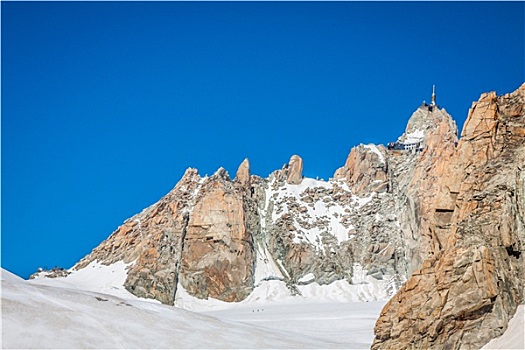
431 223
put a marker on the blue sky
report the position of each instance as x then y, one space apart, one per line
105 104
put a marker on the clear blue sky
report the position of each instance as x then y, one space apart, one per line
105 104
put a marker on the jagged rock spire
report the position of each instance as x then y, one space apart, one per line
295 170
243 173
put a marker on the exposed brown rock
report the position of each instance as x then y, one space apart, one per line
153 240
295 170
365 171
195 235
423 187
218 250
243 173
469 287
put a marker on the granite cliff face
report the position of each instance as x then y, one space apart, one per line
472 280
217 259
152 242
444 216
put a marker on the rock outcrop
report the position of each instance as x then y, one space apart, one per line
472 281
295 170
151 242
243 173
365 170
419 186
195 237
218 250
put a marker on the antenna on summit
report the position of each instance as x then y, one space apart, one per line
433 103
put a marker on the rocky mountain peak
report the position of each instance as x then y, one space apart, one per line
295 170
472 226
243 173
216 249
191 176
190 173
221 173
365 169
479 121
424 120
290 173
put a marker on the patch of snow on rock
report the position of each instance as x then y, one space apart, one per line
309 277
311 214
362 201
265 266
415 136
374 149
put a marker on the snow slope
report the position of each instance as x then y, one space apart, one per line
107 279
69 313
340 325
54 315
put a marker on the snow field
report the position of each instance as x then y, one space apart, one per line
44 316
338 325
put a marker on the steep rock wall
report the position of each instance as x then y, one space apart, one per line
422 185
152 241
471 283
218 249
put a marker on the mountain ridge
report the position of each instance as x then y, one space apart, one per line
387 216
